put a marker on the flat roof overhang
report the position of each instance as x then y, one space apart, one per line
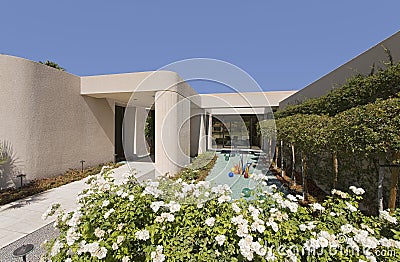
140 89
136 88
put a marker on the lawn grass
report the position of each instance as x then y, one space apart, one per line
40 185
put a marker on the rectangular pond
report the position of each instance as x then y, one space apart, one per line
238 168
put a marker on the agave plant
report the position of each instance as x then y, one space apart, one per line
7 165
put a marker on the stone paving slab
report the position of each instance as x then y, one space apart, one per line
23 217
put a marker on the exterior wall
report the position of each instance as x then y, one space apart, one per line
49 125
197 132
359 65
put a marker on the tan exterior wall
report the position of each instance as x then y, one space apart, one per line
49 125
361 64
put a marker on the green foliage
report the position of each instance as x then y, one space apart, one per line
359 90
369 129
366 129
308 132
360 136
52 64
149 126
132 222
199 168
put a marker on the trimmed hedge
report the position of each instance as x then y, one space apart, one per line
359 90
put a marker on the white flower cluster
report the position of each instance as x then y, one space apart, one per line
322 240
317 207
172 206
243 225
122 193
386 215
108 213
221 190
246 244
285 203
151 188
129 176
72 236
105 203
51 210
74 221
357 191
120 239
220 239
55 249
339 193
93 248
142 234
156 205
158 256
248 247
310 226
278 215
236 208
100 182
258 224
350 207
99 233
210 221
165 217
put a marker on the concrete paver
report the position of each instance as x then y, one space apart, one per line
22 217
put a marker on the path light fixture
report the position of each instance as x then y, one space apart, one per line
22 251
21 176
82 161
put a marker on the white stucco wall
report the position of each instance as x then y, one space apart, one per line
50 126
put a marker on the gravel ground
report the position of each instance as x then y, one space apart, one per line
35 238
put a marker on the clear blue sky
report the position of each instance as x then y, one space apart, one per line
284 45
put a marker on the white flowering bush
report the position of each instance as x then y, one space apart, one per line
179 221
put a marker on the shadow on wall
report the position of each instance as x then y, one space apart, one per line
8 169
103 113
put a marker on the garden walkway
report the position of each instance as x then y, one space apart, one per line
22 217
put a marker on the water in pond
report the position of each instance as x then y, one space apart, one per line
228 162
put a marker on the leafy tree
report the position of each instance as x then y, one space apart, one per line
52 64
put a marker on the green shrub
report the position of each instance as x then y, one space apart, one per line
359 90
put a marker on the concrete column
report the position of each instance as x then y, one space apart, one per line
202 134
209 140
140 139
172 136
